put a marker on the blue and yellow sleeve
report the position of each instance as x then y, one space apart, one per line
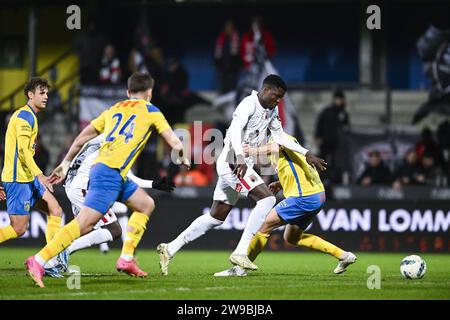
158 120
99 122
25 124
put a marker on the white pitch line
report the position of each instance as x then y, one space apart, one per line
94 293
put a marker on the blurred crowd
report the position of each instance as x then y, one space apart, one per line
426 163
101 63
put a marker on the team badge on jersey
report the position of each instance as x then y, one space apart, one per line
26 206
238 187
252 178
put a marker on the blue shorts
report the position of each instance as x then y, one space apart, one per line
300 210
22 196
107 186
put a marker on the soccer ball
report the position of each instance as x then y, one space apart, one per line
413 267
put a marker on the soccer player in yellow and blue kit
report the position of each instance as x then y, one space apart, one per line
24 183
304 198
127 125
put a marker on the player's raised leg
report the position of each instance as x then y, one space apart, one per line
142 205
59 263
264 203
83 223
295 236
217 215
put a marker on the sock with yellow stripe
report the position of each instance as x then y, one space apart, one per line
135 230
7 233
53 226
317 243
60 241
257 244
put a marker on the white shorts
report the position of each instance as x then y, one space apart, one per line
76 197
229 186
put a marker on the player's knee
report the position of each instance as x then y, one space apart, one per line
20 228
150 205
55 210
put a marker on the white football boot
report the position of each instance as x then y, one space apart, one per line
242 261
164 258
234 271
345 262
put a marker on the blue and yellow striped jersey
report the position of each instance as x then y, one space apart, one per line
127 125
296 176
22 129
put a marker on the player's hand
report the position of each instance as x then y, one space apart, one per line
59 174
316 162
45 182
275 187
2 194
163 184
249 151
184 162
241 167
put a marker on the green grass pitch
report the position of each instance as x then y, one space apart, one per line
281 276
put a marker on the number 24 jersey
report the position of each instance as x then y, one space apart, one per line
127 125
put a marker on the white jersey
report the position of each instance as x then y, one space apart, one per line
258 120
78 173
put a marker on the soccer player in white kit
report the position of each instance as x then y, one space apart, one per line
256 114
76 186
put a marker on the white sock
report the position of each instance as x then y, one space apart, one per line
254 223
197 228
123 221
40 260
92 238
51 263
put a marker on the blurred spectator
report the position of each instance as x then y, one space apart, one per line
376 172
427 144
175 95
226 57
146 56
253 36
443 136
331 123
432 173
110 72
88 46
410 172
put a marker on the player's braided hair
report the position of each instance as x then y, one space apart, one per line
35 83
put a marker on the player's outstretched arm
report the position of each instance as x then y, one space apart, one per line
161 183
176 145
265 150
280 137
59 174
